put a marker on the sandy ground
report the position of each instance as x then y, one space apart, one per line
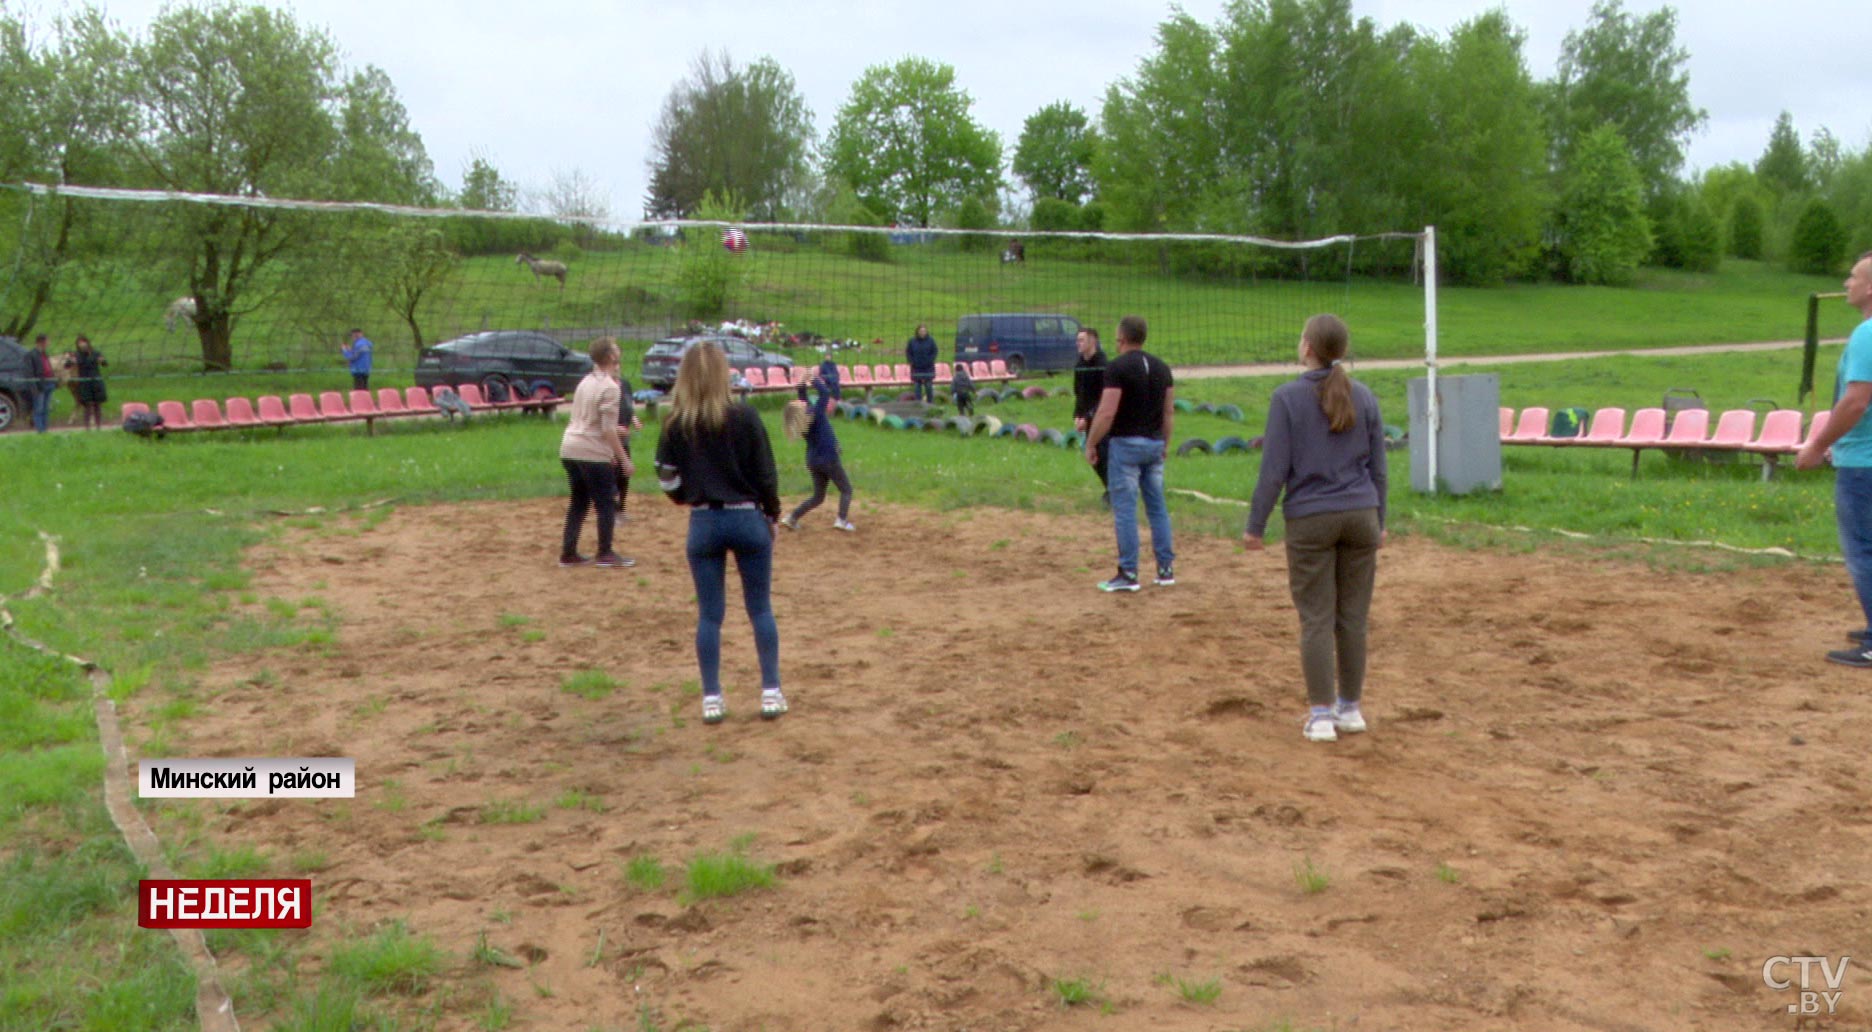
1643 784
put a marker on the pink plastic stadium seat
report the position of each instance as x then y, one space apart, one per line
207 415
303 410
1507 423
1608 425
471 393
1734 430
860 375
132 407
883 376
1819 424
756 377
1533 426
332 407
979 370
273 411
240 412
390 403
997 369
419 400
942 372
900 373
175 418
1780 432
1689 430
1647 428
362 404
844 375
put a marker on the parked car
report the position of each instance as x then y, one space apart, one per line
15 379
660 362
505 357
1025 341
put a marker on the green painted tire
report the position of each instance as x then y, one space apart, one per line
1232 413
1193 445
1184 405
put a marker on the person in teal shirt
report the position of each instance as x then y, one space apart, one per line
1849 437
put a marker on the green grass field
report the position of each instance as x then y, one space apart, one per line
153 533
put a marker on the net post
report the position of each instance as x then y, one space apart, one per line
1810 350
1430 351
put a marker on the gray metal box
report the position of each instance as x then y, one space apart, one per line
1469 447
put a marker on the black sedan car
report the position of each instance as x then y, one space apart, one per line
15 382
503 356
660 362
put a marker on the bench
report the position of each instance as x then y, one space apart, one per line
1735 432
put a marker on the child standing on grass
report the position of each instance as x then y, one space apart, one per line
1325 448
962 389
822 455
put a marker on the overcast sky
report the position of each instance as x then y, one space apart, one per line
544 87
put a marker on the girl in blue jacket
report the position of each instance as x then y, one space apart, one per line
822 454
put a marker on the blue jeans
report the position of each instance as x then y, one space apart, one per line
42 406
1852 497
1135 466
924 384
713 533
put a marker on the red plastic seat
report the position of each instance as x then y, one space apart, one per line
1734 430
419 400
1818 425
363 405
1532 428
240 412
860 376
1780 432
998 370
303 409
390 403
1608 426
471 393
175 418
331 406
1647 428
130 408
980 370
207 414
273 411
1507 423
900 373
1689 430
756 378
844 375
943 373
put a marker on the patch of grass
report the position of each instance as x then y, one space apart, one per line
309 861
1312 878
1068 739
532 635
390 960
496 1015
645 872
1203 993
721 875
514 620
593 684
489 955
579 799
240 861
1719 953
512 811
1076 992
1447 874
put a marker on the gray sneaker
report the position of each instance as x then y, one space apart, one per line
1124 581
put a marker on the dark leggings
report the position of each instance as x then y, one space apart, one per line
594 485
623 482
834 473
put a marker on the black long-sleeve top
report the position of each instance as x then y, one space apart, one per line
733 463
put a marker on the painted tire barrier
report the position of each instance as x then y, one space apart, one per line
878 416
894 422
857 411
989 396
1053 437
1229 444
1204 406
1034 393
962 425
1075 439
1194 444
912 423
1007 430
935 424
991 425
842 410
1184 405
907 396
1028 431
1232 413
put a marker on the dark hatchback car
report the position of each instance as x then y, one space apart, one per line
504 356
14 382
660 362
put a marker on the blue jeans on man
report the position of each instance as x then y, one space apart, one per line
42 406
924 384
713 533
1852 498
1135 466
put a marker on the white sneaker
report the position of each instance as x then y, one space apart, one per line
1320 728
789 523
714 709
772 703
1348 719
845 525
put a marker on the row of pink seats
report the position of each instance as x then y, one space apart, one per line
330 407
869 376
1735 431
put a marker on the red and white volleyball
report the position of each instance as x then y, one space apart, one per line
735 240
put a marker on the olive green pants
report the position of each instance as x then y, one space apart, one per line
1332 560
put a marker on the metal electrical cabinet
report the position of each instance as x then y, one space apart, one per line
1469 446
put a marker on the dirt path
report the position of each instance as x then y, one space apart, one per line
1593 796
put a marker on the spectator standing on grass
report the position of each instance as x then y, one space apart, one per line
1135 412
714 457
1324 447
962 389
41 382
357 355
592 453
822 455
828 371
920 353
628 424
89 367
1088 386
1848 435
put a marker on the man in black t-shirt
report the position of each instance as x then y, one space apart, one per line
1135 412
1088 385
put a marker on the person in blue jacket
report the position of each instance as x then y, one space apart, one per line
828 371
357 355
920 353
822 455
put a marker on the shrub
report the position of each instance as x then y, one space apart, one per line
1746 223
1819 242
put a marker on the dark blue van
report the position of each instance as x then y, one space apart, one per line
1025 341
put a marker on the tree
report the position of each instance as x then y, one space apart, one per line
574 197
1602 218
907 144
1055 153
1482 185
483 189
1782 166
1167 111
380 157
1627 72
1746 223
1701 235
244 101
1819 243
710 275
744 131
414 260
